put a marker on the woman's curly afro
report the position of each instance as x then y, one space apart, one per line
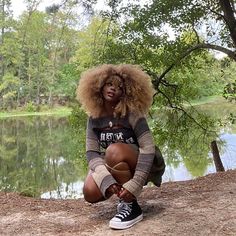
138 89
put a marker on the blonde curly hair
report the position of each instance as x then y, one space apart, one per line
137 96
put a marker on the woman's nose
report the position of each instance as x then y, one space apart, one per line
113 87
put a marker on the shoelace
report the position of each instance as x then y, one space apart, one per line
120 206
124 209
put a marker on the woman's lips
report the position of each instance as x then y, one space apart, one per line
109 94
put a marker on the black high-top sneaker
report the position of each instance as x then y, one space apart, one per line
128 215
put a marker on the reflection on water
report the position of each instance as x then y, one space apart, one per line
71 191
228 154
40 157
228 157
199 160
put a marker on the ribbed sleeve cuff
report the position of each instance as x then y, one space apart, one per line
106 183
94 163
103 178
133 187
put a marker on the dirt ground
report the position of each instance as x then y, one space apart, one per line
205 206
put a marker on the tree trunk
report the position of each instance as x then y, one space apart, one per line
229 18
216 157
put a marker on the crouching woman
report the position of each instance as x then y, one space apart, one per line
120 150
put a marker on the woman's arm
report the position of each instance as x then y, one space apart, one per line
101 175
146 155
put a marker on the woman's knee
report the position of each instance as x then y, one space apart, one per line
91 192
113 151
91 196
88 195
121 152
121 172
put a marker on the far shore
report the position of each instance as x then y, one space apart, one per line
56 111
65 110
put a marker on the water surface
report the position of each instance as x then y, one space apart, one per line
40 156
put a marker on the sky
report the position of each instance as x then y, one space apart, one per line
18 6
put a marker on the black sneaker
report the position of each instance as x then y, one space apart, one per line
128 215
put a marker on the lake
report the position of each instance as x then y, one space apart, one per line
41 156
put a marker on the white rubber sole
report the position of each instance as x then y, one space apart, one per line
124 225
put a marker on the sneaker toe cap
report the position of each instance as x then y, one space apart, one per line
115 219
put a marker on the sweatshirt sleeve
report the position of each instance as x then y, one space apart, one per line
101 175
146 155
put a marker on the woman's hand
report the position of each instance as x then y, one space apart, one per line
113 189
126 195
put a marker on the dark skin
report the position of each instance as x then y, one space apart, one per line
112 92
117 153
127 158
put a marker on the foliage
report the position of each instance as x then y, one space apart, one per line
30 107
10 51
160 35
183 139
92 43
67 82
228 74
78 121
8 91
48 50
45 53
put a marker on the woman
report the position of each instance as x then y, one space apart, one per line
120 150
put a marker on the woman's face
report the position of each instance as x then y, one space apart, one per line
113 90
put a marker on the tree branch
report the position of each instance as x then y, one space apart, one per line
231 54
196 33
182 110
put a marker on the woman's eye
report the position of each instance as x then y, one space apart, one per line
109 84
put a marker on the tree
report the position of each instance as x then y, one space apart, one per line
48 42
5 25
68 79
32 37
92 43
181 66
213 23
8 91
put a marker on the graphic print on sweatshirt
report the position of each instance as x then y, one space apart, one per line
108 137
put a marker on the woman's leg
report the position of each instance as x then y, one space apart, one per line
91 191
121 160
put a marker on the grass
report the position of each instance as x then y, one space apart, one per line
57 111
210 99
